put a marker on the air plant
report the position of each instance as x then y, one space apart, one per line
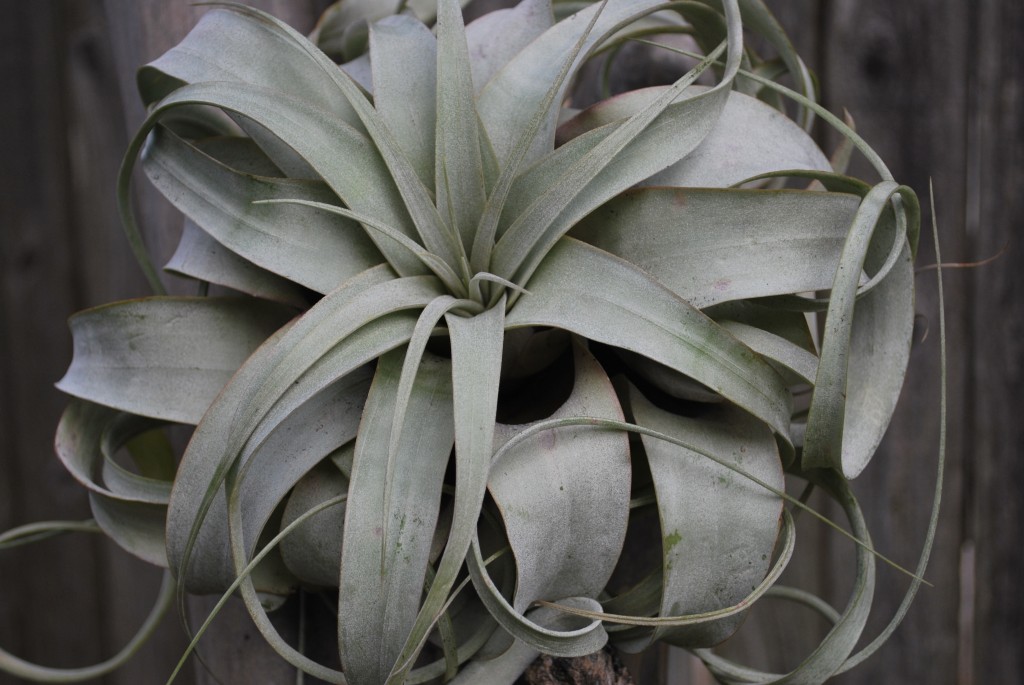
472 333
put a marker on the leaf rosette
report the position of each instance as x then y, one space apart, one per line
475 333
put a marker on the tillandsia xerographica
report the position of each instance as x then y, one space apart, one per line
472 333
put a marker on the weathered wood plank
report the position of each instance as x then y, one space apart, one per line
892 71
96 140
895 66
995 174
47 615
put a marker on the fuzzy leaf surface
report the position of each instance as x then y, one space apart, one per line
749 138
590 292
306 246
564 495
403 56
379 596
711 246
718 528
165 357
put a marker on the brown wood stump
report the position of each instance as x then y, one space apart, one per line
600 668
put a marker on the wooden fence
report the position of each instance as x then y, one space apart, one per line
936 86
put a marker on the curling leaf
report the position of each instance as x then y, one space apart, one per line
165 357
718 529
564 495
307 247
594 294
712 246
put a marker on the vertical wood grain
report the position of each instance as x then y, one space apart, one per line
46 614
996 210
896 67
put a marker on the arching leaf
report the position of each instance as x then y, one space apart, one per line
496 37
589 292
165 357
509 99
313 249
718 529
476 368
713 246
749 138
382 580
202 258
404 60
564 495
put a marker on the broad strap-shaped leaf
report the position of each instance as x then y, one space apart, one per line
313 249
276 377
613 164
211 568
202 258
332 323
643 144
880 347
509 99
528 351
132 509
435 264
233 151
437 237
341 29
749 138
228 45
297 442
496 37
360 71
640 601
313 550
564 498
833 650
590 292
165 357
668 381
476 344
564 495
711 246
340 154
460 183
764 314
490 220
718 528
887 329
786 355
232 45
428 321
379 596
403 56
